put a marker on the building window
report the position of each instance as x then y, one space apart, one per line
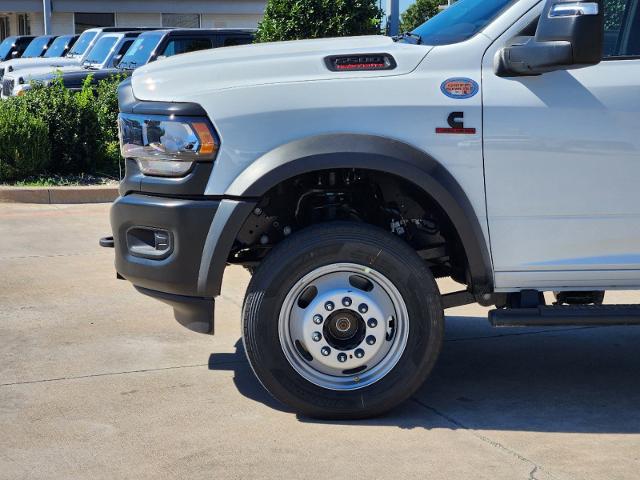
181 20
24 24
5 31
84 21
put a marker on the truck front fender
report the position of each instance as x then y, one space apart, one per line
344 151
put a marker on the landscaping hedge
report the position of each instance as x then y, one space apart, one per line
52 130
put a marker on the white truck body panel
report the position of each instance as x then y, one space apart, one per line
562 161
573 224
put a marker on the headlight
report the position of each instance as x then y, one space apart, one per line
21 89
166 146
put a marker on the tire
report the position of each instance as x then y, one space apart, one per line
281 304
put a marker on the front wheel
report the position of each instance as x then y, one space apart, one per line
342 320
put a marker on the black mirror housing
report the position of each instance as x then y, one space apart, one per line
569 34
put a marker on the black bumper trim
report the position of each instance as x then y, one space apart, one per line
188 223
194 313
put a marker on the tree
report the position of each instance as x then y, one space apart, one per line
418 13
298 19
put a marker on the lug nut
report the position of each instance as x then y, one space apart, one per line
359 353
316 336
342 357
317 319
326 351
363 308
346 301
329 306
372 323
371 340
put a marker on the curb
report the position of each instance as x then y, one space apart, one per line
89 194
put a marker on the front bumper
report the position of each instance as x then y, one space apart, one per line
171 273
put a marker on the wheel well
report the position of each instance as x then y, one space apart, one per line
378 198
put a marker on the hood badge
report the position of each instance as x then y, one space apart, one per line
459 88
360 62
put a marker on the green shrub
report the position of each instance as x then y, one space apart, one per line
78 129
298 19
24 142
106 110
418 13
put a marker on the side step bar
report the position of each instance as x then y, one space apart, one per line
566 315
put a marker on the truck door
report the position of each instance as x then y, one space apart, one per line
562 164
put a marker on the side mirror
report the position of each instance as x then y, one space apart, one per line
570 34
117 59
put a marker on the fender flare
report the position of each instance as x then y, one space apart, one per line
344 151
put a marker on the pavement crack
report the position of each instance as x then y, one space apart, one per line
532 473
21 257
535 467
106 374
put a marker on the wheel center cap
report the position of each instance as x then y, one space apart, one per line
344 329
343 324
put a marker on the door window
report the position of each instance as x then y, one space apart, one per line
621 28
186 45
231 41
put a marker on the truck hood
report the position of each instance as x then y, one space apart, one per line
20 63
29 74
188 75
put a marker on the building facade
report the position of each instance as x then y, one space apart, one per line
58 17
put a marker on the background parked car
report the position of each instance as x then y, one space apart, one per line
148 47
13 47
106 53
57 49
38 46
76 55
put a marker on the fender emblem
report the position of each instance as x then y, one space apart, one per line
456 125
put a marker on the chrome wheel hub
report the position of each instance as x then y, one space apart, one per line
343 326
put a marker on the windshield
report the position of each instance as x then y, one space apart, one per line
460 21
35 47
140 52
6 45
100 51
57 47
82 44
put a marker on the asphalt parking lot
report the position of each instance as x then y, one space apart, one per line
97 381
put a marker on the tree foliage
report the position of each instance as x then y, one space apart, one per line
418 13
299 19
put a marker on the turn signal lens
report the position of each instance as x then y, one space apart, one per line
208 144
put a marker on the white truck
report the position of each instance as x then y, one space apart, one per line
496 144
71 55
104 54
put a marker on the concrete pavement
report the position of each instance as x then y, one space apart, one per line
97 381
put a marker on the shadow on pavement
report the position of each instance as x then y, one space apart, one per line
244 379
572 380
